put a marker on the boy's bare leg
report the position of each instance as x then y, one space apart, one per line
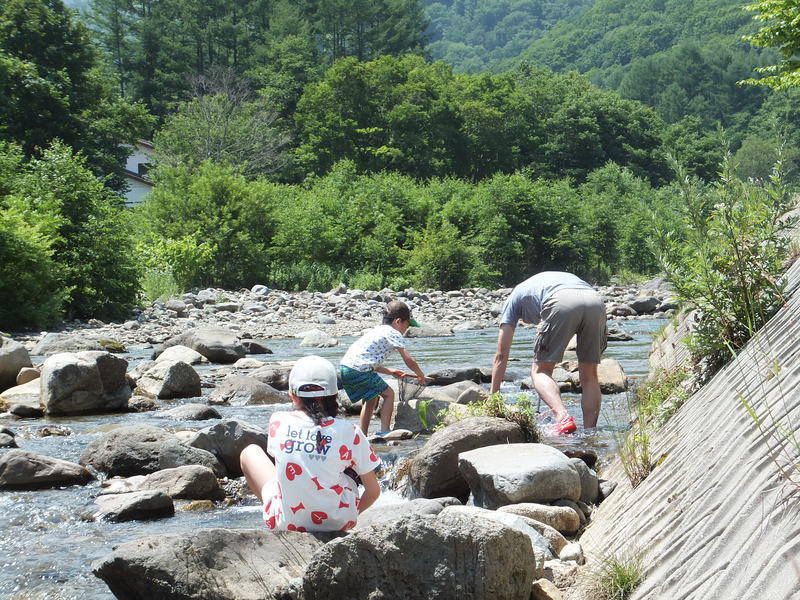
387 409
367 408
547 388
257 468
590 393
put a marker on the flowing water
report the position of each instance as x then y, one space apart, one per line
48 540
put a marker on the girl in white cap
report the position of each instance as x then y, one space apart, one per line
307 488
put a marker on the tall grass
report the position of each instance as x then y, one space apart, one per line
158 285
614 577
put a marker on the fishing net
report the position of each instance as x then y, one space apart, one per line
408 388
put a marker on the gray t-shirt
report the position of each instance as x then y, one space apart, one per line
526 300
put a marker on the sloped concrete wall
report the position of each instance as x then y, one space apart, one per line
716 519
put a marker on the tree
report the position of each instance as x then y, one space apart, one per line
52 87
223 124
782 32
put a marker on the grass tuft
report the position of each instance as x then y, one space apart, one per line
615 577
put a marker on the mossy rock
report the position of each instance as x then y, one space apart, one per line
112 346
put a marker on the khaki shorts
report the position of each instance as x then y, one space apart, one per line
567 313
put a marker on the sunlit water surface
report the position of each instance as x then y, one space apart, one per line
47 543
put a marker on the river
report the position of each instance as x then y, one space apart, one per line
47 542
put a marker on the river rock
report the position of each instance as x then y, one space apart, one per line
645 305
27 374
316 338
175 453
407 414
572 552
169 379
7 441
449 393
181 353
429 331
227 439
544 589
179 306
209 564
140 450
23 400
248 363
141 404
618 335
609 372
448 557
21 470
448 376
191 412
590 485
384 513
147 504
190 482
84 382
434 469
561 518
55 343
13 358
606 488
255 347
540 546
275 375
514 473
246 390
216 344
621 310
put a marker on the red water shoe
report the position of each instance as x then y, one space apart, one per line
565 426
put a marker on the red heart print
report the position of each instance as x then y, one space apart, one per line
271 522
372 456
337 488
293 470
343 504
348 525
316 482
345 453
273 428
326 423
293 527
300 506
318 516
357 439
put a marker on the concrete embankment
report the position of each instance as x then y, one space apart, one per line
718 517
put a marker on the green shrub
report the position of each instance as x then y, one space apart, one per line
522 413
614 577
660 395
158 285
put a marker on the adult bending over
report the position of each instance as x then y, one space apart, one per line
309 488
565 305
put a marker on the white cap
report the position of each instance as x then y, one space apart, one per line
316 371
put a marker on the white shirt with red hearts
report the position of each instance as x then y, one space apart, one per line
311 491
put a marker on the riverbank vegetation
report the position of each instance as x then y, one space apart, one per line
303 144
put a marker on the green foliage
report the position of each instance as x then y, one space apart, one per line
782 31
615 576
52 87
438 259
659 396
728 258
80 233
158 285
521 412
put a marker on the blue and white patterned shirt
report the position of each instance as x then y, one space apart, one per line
370 350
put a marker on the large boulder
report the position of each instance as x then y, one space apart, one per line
514 473
140 450
383 513
316 338
645 305
147 504
191 412
169 379
190 482
590 484
216 344
210 564
245 390
21 470
451 392
23 400
13 358
55 343
609 372
561 518
84 382
275 375
227 439
182 353
448 376
447 557
409 415
434 470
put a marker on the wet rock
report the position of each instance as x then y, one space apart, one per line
514 473
196 505
316 338
275 375
434 470
131 506
618 335
190 482
27 374
472 394
7 441
216 344
449 393
430 331
246 390
227 439
248 363
140 450
609 372
181 353
587 455
20 470
84 382
255 347
191 412
448 376
407 414
141 404
210 564
561 518
644 305
430 557
169 379
13 358
590 486
621 310
24 400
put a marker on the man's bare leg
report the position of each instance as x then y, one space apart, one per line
590 393
547 388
